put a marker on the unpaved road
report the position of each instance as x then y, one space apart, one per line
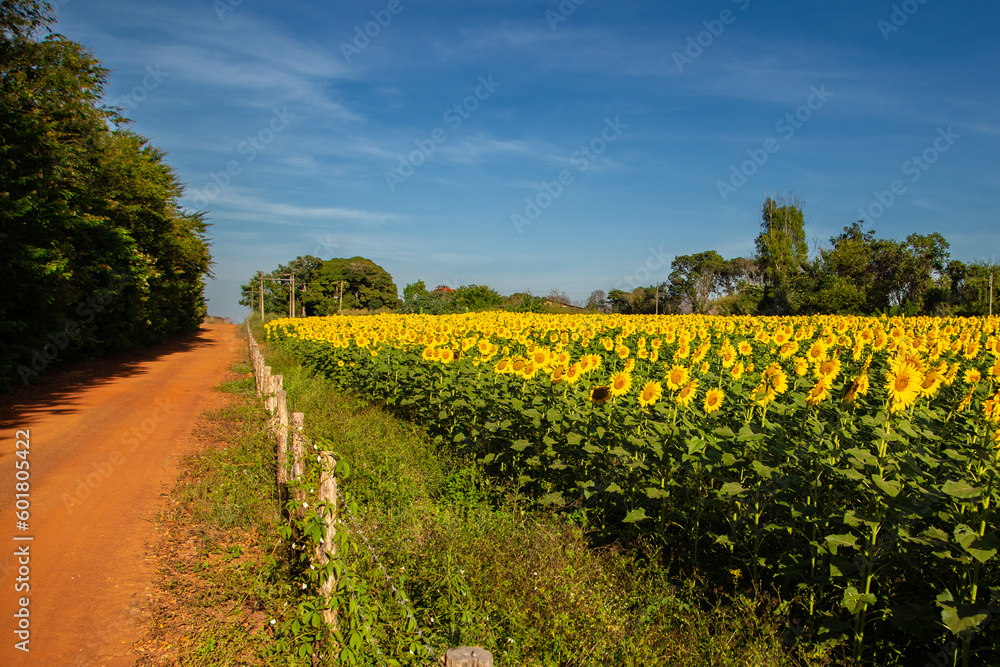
105 441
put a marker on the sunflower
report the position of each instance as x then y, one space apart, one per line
775 378
600 395
991 407
858 388
788 349
828 369
573 373
676 377
630 365
972 376
933 379
737 370
820 391
623 352
713 400
903 385
620 384
763 394
745 348
801 366
687 393
965 401
995 370
728 355
651 393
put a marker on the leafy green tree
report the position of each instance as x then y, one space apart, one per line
473 298
969 289
91 230
361 283
781 250
695 279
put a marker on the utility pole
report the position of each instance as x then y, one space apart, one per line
291 296
261 274
341 305
991 294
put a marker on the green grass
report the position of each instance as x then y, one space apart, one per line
481 568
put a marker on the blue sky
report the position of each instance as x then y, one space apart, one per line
575 145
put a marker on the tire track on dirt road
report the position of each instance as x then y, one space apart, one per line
103 449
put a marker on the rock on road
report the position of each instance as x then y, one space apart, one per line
103 449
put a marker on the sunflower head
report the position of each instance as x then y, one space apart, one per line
600 395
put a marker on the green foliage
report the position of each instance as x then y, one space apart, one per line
476 566
323 287
91 231
465 299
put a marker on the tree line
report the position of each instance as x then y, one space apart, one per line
96 253
858 273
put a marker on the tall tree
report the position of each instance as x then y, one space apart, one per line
91 231
696 278
782 250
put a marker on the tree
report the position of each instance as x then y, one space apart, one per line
781 249
596 301
362 283
92 231
474 298
696 278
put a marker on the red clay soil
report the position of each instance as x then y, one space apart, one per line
105 441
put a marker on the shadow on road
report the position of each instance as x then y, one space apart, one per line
64 379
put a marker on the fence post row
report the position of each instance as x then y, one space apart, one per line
281 423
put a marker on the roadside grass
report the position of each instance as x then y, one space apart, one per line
479 567
215 594
476 564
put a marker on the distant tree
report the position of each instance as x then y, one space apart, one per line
619 302
560 298
596 301
524 302
781 249
969 287
696 278
473 298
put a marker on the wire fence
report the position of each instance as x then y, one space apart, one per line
292 458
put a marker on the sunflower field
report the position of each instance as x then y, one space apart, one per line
849 463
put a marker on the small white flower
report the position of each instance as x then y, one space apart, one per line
305 505
273 621
303 586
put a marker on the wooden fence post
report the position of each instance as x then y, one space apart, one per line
281 434
327 493
468 656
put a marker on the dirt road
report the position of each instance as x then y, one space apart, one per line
101 443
